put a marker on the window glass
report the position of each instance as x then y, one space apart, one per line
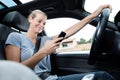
8 4
90 7
4 4
78 43
1 6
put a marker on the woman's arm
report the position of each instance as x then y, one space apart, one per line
78 26
13 54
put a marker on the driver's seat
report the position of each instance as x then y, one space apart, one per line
13 21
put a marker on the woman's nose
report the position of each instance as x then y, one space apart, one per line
41 24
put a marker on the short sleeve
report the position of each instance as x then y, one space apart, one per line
14 39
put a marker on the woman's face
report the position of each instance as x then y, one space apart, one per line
38 22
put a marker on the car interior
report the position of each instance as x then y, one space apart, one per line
105 51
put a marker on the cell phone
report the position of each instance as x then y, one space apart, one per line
62 34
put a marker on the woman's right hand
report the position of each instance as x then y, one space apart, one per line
51 46
100 8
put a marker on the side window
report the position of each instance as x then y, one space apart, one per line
79 42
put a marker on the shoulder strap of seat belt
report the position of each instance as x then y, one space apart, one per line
37 45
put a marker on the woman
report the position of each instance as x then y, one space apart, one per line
20 47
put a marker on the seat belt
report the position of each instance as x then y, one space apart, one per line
37 45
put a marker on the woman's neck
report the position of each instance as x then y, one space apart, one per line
32 36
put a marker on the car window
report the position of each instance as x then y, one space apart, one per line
10 4
80 42
83 38
5 3
2 6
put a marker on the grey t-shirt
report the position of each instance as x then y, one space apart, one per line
23 42
27 50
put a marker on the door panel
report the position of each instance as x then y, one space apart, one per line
72 63
65 64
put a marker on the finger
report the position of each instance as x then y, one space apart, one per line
57 40
110 8
56 47
57 44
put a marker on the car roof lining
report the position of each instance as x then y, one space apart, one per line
48 6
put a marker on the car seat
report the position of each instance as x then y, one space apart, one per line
13 21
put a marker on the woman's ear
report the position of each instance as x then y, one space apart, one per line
30 19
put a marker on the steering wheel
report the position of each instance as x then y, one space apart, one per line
98 37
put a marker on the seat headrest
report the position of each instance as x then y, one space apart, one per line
16 20
117 20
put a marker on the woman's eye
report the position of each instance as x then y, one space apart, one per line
44 23
39 21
